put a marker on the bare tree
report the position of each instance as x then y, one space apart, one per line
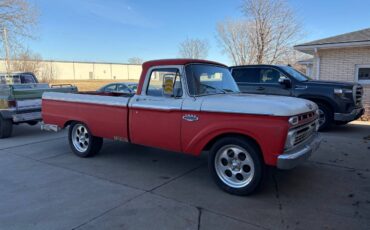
27 61
19 18
269 31
236 39
193 48
135 60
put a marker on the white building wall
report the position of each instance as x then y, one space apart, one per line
63 70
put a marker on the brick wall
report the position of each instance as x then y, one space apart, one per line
340 65
366 101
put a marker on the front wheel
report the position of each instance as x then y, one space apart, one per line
236 165
341 122
325 117
82 142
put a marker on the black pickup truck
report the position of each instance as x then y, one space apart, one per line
339 102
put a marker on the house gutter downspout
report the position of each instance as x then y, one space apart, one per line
317 64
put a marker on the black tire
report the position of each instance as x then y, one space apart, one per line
327 114
341 122
6 127
93 146
257 169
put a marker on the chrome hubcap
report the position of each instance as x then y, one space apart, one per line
234 166
322 118
80 138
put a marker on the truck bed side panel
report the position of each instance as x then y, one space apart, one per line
104 119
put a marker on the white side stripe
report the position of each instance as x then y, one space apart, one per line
87 98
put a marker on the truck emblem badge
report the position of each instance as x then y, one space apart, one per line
190 117
309 106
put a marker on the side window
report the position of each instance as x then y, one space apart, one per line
269 76
16 79
122 88
246 75
164 83
110 88
27 79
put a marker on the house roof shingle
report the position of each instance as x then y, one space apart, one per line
352 37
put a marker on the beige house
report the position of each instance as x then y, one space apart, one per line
345 57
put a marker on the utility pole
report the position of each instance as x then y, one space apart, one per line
6 48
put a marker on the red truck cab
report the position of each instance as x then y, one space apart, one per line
190 106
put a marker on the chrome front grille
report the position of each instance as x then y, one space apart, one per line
303 118
358 92
304 132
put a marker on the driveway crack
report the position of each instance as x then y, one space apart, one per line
277 195
199 216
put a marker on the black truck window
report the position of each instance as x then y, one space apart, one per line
269 76
246 75
28 79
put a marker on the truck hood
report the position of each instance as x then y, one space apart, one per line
257 104
330 83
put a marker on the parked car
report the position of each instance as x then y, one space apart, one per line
192 106
20 99
119 87
339 102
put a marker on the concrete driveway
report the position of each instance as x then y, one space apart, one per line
44 186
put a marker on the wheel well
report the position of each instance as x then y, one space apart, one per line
69 123
248 138
321 101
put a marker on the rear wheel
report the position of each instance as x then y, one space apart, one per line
82 142
236 165
325 117
6 127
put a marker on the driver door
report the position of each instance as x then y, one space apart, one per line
155 117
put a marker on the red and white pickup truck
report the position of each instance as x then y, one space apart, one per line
191 106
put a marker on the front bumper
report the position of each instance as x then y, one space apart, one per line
354 115
296 156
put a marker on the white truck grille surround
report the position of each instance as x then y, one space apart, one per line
307 127
304 132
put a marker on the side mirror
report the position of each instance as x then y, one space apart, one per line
286 82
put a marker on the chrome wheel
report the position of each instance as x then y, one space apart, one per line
234 166
322 117
80 138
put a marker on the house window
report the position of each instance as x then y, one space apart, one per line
363 73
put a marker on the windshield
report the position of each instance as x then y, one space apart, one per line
295 73
209 79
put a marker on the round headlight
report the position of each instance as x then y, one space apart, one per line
293 120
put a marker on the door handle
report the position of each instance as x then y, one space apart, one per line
260 88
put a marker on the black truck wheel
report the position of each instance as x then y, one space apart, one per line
236 165
82 142
6 127
325 116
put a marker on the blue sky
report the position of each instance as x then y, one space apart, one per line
115 30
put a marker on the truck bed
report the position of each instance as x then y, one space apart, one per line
108 110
